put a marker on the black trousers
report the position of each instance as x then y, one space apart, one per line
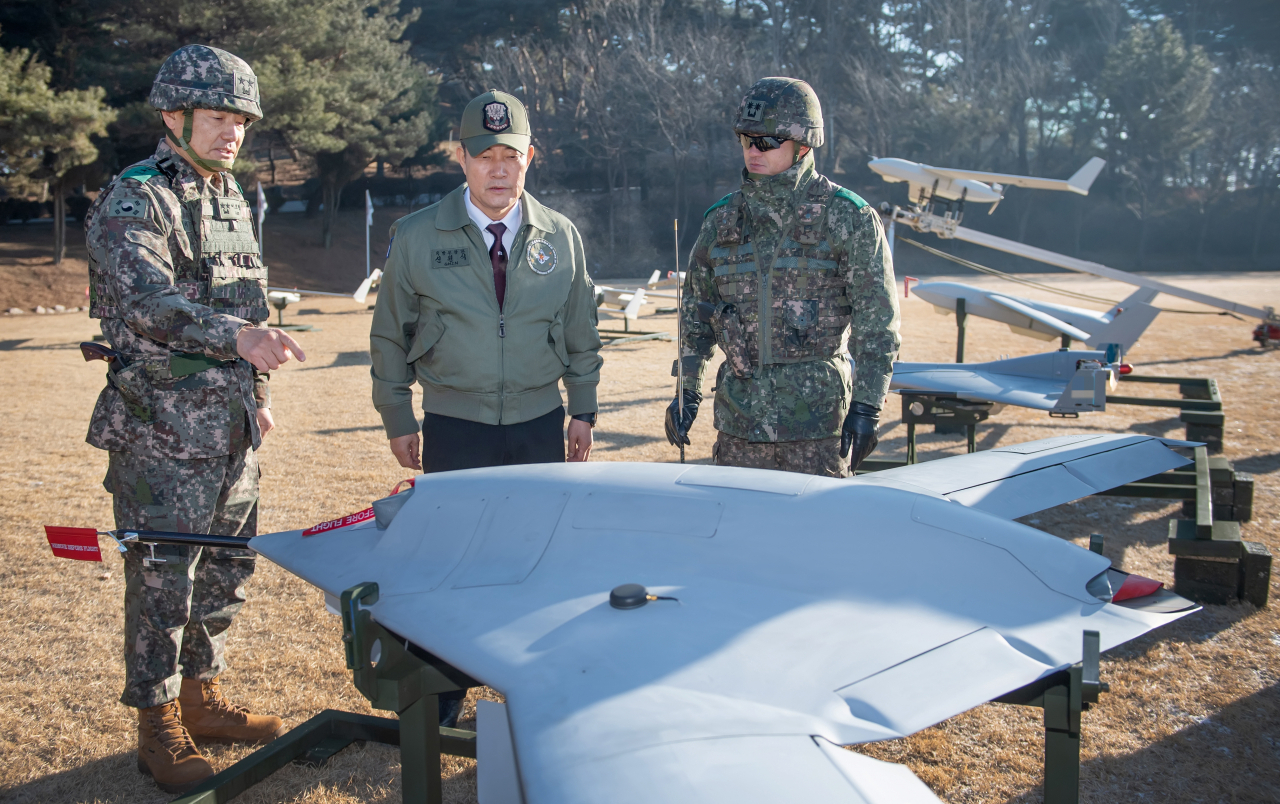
449 443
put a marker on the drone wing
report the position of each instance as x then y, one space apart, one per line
1054 381
1048 320
1014 481
1079 183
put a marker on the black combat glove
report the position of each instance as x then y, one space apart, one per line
859 432
677 426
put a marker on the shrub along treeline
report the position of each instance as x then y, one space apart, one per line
631 102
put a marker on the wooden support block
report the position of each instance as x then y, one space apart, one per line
1183 540
1210 435
1255 573
1243 497
1224 572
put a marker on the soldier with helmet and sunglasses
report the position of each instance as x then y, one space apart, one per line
177 281
792 277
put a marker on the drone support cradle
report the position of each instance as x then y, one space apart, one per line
1063 696
393 675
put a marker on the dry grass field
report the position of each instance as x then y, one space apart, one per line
1194 709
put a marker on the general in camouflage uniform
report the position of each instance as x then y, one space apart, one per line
176 278
791 276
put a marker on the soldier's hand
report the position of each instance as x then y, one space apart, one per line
266 422
267 349
678 426
405 448
858 433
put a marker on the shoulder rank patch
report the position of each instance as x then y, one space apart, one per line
717 205
140 172
446 257
127 208
851 197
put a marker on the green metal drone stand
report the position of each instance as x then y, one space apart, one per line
402 681
1063 695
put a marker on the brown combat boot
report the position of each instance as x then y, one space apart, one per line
212 718
166 752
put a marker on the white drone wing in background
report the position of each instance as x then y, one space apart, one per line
1079 183
811 612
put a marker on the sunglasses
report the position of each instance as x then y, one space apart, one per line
761 144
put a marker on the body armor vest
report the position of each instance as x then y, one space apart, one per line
224 271
793 303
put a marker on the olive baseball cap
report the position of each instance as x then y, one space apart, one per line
495 118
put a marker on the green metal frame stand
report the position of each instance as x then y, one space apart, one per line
324 735
1063 696
394 676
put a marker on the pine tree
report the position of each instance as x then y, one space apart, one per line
338 83
46 136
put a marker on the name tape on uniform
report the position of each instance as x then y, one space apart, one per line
340 522
80 544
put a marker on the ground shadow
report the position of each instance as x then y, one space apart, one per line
1233 353
610 407
1258 464
9 346
110 780
617 441
338 430
345 360
1233 755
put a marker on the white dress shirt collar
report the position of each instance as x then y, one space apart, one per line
512 221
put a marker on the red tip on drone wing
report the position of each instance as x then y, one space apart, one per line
1136 586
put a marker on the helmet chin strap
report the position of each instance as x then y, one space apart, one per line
184 142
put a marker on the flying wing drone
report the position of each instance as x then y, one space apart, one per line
789 614
1123 324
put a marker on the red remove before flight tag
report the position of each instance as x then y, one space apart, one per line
340 522
80 544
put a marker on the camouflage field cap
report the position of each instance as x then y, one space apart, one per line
495 118
202 77
781 107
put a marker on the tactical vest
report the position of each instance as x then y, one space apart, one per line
225 272
793 303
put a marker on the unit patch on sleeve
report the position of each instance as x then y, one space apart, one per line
127 208
448 257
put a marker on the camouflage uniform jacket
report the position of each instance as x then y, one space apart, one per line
806 266
174 274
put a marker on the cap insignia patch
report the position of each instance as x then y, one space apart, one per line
496 116
753 110
542 257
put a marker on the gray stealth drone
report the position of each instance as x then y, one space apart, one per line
806 613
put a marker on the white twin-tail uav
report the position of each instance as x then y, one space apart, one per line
1062 382
623 297
927 182
808 613
286 296
931 186
1122 324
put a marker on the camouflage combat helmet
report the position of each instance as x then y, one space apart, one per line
781 107
202 77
